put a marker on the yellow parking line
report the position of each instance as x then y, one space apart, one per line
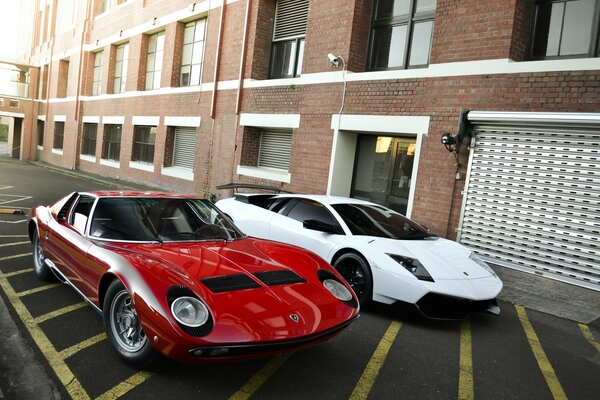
14 244
369 375
465 381
59 312
540 355
15 256
62 371
260 378
37 289
125 386
22 271
588 335
70 351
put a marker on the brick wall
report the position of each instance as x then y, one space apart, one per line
466 30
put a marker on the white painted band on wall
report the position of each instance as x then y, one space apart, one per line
146 120
89 119
192 122
270 120
60 118
113 120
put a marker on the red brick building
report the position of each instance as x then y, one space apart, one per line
341 97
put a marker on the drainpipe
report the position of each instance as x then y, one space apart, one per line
80 76
238 103
214 99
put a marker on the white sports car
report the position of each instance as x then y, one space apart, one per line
383 255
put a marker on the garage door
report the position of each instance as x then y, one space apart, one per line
533 194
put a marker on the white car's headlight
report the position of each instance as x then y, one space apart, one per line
189 311
337 289
413 266
474 257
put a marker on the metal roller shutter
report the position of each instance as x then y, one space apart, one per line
275 148
185 147
533 200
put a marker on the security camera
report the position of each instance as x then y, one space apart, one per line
333 59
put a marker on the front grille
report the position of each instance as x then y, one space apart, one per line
438 306
245 349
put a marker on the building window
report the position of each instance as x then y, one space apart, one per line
144 138
40 133
156 44
121 57
192 56
401 33
66 15
63 78
88 141
180 147
111 142
289 30
13 103
59 135
97 76
566 28
101 6
275 148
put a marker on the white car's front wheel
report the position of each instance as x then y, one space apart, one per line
356 271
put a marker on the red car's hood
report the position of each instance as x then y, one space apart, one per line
259 313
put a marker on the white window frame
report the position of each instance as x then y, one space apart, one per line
156 45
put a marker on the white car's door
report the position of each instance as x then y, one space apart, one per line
288 226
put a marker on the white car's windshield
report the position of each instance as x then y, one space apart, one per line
373 220
146 219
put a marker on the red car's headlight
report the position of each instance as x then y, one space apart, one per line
337 289
189 311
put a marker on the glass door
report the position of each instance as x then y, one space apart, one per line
383 170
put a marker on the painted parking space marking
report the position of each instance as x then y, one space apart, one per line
62 371
254 383
70 351
15 256
14 244
542 360
22 271
59 312
465 380
125 386
14 236
38 289
585 330
369 375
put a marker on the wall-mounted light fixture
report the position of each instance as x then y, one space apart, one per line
449 142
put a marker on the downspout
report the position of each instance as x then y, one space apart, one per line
84 33
214 100
238 103
52 40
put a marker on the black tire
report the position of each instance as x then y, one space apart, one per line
356 271
39 260
123 328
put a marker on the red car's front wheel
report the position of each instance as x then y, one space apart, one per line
124 329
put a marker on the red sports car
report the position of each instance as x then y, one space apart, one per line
172 275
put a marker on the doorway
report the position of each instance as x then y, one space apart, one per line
383 170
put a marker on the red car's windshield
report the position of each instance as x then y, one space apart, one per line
373 220
160 219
